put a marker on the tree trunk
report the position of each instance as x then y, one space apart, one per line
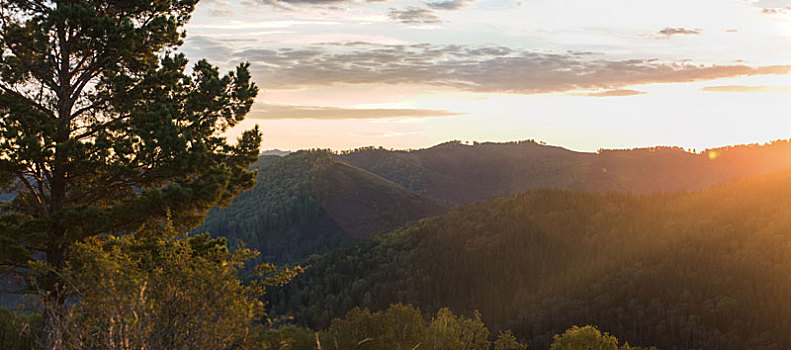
52 330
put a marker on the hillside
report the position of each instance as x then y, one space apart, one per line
313 202
456 173
307 203
702 270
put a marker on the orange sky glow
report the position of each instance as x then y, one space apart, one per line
585 75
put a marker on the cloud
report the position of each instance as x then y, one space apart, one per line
773 3
448 4
205 47
670 31
301 2
614 93
413 15
776 11
748 89
774 7
432 4
219 8
268 111
475 69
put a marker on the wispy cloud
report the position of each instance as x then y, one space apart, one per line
448 4
614 93
670 31
773 3
774 7
301 2
748 89
476 69
776 11
249 25
434 4
268 111
413 15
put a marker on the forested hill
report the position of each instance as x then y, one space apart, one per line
704 270
457 173
307 203
313 202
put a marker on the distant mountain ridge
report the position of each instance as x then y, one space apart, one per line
275 152
457 173
312 202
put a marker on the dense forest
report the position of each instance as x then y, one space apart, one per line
695 270
309 203
312 202
282 216
461 173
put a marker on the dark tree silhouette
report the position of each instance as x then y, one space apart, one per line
102 128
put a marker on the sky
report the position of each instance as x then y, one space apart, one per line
581 74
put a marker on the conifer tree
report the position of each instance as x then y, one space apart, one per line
103 128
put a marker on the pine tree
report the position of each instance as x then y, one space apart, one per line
102 127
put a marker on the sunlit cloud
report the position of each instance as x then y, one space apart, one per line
776 11
570 71
774 7
478 69
301 2
670 31
614 93
245 25
748 89
268 111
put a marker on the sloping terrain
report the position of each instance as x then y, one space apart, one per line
703 270
312 202
307 203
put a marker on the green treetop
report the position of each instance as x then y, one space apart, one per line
102 128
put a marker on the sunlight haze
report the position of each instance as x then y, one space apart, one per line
584 75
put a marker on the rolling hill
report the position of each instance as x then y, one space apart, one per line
307 203
458 173
702 270
312 202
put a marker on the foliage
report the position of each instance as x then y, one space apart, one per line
18 331
309 203
451 332
283 338
679 271
313 202
157 289
282 215
102 129
588 338
398 327
402 327
507 341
